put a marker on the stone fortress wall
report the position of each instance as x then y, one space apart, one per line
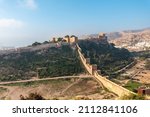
85 61
92 69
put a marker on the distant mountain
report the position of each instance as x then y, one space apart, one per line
88 36
134 40
114 35
136 31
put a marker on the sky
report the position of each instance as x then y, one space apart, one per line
23 22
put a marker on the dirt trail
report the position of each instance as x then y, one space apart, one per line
67 88
44 79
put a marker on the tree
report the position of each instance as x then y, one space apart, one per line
36 43
60 39
32 96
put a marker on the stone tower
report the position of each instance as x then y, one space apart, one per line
103 38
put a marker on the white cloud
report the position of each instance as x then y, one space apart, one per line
31 4
10 23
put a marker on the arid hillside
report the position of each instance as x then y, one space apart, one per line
138 40
65 89
134 40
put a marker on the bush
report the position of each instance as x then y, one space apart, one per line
36 44
32 96
132 97
132 85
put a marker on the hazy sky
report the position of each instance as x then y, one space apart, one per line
24 21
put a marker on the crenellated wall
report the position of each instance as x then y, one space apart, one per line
92 69
85 61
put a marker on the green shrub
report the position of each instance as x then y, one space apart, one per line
132 97
32 96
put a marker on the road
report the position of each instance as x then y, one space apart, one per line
44 79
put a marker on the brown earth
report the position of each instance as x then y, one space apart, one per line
66 89
139 72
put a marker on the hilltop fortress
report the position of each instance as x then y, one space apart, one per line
68 39
74 39
102 38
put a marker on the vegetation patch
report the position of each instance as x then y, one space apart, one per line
132 85
43 63
132 97
3 89
108 58
142 54
32 96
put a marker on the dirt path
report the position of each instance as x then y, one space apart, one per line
67 88
123 69
54 78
